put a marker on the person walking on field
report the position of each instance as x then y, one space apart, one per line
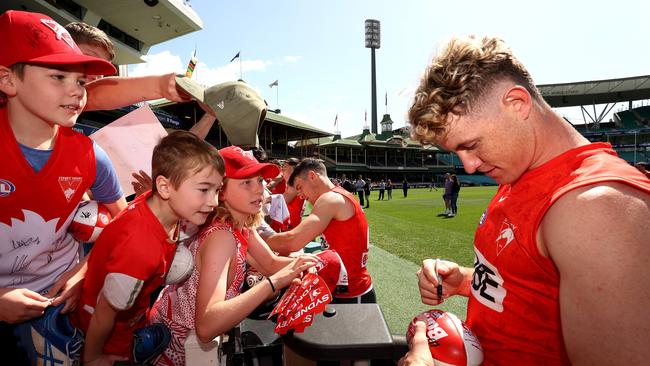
382 188
389 189
405 187
360 184
366 191
447 195
453 198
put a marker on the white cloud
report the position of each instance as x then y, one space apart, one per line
159 63
292 58
166 62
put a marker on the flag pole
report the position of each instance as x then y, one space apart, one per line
241 77
386 101
276 84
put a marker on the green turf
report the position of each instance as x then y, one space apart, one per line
405 231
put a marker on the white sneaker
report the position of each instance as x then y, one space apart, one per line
451 214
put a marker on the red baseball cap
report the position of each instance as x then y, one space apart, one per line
242 164
35 38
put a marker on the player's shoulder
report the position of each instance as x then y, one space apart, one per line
331 198
605 195
598 206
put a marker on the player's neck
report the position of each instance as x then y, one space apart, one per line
30 130
554 137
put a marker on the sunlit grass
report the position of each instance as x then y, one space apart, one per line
410 228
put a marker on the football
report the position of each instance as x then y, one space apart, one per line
331 268
181 267
451 342
89 221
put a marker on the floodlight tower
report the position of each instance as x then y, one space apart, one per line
373 42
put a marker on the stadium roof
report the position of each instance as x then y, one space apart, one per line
342 142
596 91
290 122
133 26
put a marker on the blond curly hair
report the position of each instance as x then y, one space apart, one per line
456 80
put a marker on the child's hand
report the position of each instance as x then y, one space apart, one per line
283 277
142 182
208 110
419 353
105 360
171 91
20 304
66 289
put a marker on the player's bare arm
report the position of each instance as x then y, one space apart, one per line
262 258
328 206
598 239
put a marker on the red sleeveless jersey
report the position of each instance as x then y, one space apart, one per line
349 239
37 208
280 187
514 302
295 211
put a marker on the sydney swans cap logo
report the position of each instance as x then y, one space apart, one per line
60 32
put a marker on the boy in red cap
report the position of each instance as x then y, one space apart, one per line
45 167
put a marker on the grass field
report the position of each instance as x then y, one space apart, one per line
405 231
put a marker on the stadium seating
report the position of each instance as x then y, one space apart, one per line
476 180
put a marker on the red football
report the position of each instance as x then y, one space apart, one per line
331 268
450 340
89 220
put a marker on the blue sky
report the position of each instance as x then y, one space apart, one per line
315 49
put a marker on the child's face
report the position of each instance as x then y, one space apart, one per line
196 197
244 196
54 96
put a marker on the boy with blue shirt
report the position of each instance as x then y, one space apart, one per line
45 167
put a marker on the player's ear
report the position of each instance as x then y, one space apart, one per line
7 84
163 186
518 100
